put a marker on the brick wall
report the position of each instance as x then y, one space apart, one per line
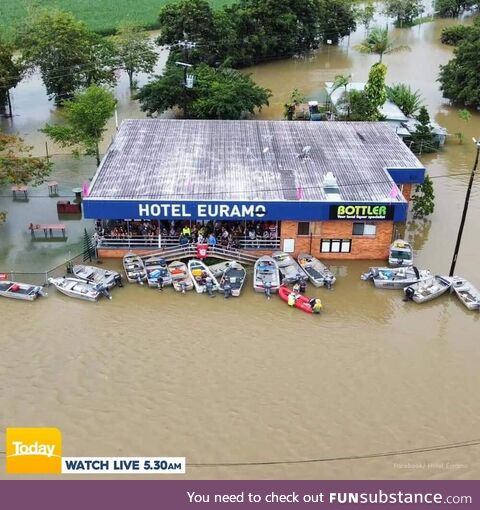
407 191
363 247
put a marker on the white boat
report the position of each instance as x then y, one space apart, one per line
157 268
290 270
95 274
219 269
266 275
203 279
426 290
80 289
468 294
233 279
181 280
23 291
400 254
395 278
317 272
134 268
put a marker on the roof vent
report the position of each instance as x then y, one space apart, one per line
330 187
305 152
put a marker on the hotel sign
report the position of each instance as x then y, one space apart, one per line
200 211
361 212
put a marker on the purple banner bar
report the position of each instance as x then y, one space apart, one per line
221 495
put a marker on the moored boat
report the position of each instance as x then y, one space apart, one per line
466 292
308 305
395 278
157 271
233 279
317 272
79 289
22 291
428 289
400 254
266 275
203 279
181 280
134 268
290 270
95 274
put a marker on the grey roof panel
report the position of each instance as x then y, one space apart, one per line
249 160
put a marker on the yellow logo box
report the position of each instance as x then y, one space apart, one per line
33 451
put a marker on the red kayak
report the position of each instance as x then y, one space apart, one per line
301 302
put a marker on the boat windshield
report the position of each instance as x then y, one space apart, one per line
402 255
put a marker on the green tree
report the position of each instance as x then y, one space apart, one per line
11 73
336 19
454 34
408 100
423 199
86 117
366 14
18 166
453 8
464 115
379 43
460 78
375 94
217 94
296 98
422 140
67 54
404 11
135 51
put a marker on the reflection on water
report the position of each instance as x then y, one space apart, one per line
248 379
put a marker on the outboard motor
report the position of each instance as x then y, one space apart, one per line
303 285
367 276
209 287
268 290
160 282
118 280
69 267
227 290
328 282
104 290
409 293
183 286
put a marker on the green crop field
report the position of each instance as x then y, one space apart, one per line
100 15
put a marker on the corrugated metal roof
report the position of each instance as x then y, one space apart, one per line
249 160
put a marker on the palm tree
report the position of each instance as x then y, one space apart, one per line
378 43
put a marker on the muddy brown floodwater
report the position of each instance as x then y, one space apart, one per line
248 380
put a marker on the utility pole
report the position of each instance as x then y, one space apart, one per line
465 209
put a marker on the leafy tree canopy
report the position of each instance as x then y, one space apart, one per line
86 117
408 100
453 8
67 54
11 73
404 11
423 140
423 199
217 94
135 51
460 78
378 42
336 19
18 166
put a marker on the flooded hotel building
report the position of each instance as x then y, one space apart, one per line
333 189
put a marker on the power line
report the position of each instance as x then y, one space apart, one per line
394 453
211 194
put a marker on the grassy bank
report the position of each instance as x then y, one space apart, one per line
100 15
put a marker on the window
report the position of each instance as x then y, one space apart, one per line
336 245
364 229
303 228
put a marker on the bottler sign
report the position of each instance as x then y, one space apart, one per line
361 212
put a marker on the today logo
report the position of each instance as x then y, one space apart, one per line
33 451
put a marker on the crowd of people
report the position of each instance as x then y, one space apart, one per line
226 234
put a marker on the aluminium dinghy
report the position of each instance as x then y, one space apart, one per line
466 292
317 272
428 289
395 278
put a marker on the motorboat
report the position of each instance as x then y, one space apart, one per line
233 279
317 272
23 291
428 289
203 279
466 292
299 301
134 268
181 280
395 278
95 274
290 270
157 271
79 289
266 275
400 254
